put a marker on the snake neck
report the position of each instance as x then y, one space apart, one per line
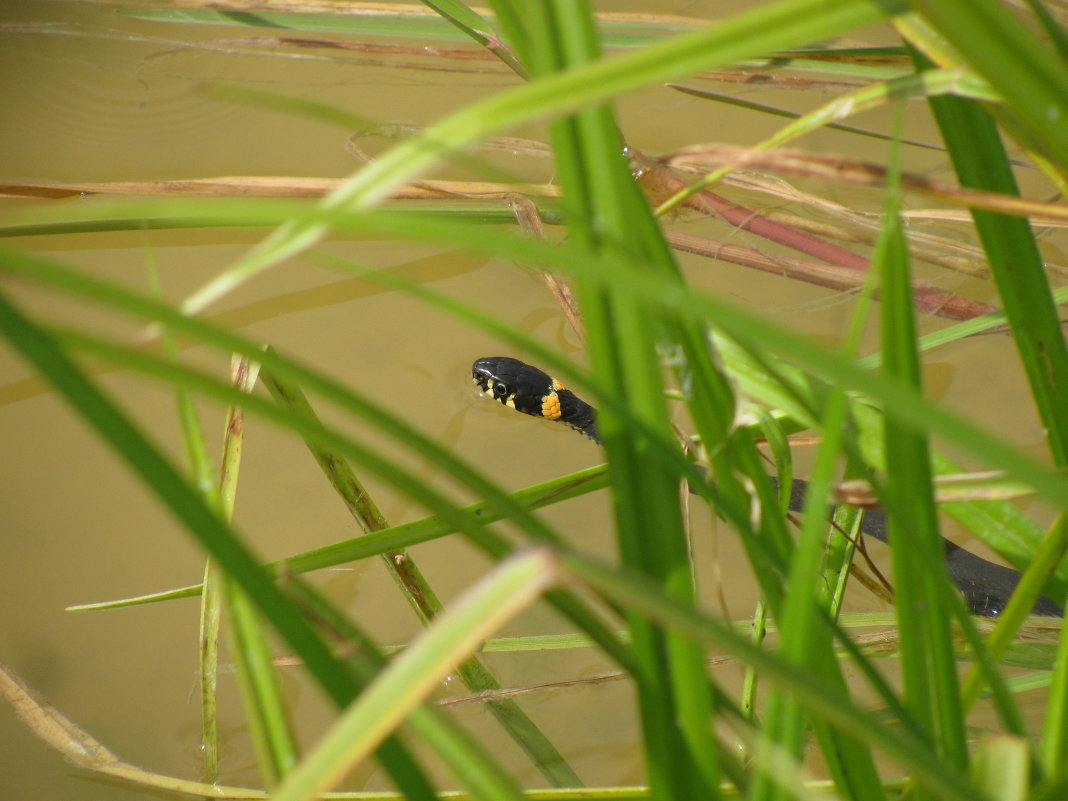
578 414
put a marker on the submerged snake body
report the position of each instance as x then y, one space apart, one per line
986 586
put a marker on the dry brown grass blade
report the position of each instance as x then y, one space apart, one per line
878 643
367 9
929 299
862 227
952 254
989 485
339 7
661 180
563 684
396 131
457 54
293 48
526 215
759 76
846 274
844 170
267 186
286 46
839 268
85 751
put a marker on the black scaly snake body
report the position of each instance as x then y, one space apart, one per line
986 586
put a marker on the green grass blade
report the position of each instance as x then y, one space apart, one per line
1000 523
190 509
927 658
211 605
474 768
41 351
647 331
478 29
216 213
742 325
1015 263
819 699
359 503
212 601
926 83
257 674
783 720
607 211
463 19
407 25
961 330
1017 266
395 538
63 279
803 641
1054 744
1021 67
265 706
1053 29
616 31
854 765
1049 553
455 519
1002 768
510 588
765 29
404 569
699 307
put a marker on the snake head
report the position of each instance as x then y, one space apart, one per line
516 384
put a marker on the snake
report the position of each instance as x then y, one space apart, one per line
985 586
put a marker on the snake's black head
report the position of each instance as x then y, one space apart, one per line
532 391
514 383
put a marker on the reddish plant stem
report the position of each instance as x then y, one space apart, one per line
844 269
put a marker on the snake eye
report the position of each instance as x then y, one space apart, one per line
500 390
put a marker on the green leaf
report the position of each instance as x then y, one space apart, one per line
202 523
765 29
1021 67
419 670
